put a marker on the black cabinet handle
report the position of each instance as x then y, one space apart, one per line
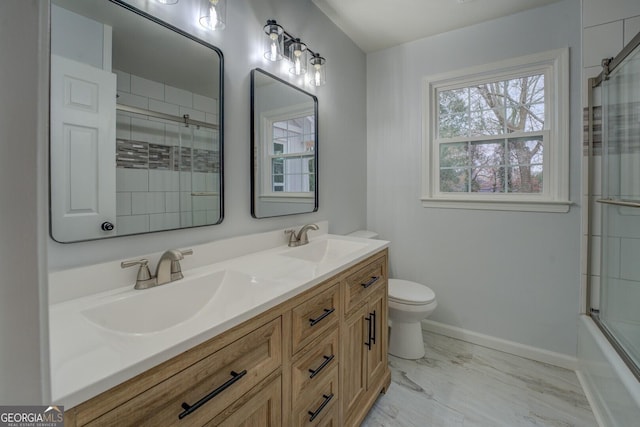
188 409
373 326
327 311
327 360
315 413
369 321
373 280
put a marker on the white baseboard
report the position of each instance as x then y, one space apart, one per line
512 347
591 398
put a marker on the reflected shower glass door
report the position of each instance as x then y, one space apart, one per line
198 161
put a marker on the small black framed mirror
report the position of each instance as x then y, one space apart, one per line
284 147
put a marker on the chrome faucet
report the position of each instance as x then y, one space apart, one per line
300 238
168 269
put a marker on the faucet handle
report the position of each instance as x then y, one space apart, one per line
176 269
186 252
144 278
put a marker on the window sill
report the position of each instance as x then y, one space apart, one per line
288 198
499 205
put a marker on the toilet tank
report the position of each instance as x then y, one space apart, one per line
364 234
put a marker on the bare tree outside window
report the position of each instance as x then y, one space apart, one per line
495 133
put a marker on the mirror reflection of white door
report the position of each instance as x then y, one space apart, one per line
83 138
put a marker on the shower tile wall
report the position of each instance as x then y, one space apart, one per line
160 164
608 27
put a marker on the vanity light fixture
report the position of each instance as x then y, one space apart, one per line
317 76
298 57
274 41
280 44
213 14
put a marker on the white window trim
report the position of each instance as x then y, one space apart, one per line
555 196
266 120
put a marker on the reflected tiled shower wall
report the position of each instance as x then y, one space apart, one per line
167 175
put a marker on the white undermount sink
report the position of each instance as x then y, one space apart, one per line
153 310
325 250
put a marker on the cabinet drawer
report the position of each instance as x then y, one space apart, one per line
318 405
262 408
313 364
363 282
231 371
314 316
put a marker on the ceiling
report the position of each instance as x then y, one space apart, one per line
378 24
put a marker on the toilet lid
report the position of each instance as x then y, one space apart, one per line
406 292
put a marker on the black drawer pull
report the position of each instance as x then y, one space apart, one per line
373 326
188 409
314 414
373 280
327 360
327 311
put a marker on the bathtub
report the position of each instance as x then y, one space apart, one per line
613 391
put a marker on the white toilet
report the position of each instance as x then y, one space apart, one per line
409 303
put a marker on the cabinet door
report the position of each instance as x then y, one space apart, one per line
377 356
354 360
264 409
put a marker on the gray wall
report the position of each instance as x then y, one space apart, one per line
511 275
24 375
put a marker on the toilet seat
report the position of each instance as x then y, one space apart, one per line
409 293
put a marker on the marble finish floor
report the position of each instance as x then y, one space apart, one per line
463 384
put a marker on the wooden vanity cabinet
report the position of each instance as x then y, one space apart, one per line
318 359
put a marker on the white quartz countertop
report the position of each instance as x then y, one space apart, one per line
89 356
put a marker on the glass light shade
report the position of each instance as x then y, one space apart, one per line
317 75
167 1
298 57
213 14
273 41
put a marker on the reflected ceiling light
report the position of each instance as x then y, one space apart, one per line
213 14
280 44
167 1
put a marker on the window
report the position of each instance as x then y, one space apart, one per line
290 156
496 136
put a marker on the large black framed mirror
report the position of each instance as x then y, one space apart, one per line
284 147
136 123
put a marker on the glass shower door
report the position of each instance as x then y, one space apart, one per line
620 259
